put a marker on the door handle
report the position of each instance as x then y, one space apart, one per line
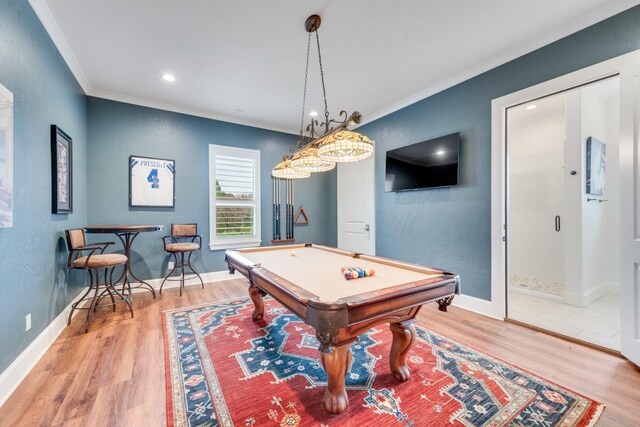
557 222
366 227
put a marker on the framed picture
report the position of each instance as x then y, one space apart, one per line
6 158
61 171
596 166
151 182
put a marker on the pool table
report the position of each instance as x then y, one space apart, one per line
306 279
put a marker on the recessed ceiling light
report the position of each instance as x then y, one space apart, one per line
532 107
440 152
313 113
168 77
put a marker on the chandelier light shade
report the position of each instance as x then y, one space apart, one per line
345 146
307 160
284 170
326 141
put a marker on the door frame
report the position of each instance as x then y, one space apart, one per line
499 106
341 205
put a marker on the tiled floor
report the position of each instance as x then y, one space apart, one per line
599 323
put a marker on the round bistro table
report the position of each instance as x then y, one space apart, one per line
126 234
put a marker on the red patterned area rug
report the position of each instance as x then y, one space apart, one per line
223 369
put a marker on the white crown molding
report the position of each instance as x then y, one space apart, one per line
113 96
48 21
51 26
578 24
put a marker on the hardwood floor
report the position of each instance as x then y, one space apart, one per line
114 375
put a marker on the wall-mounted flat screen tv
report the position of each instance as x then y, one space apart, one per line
427 164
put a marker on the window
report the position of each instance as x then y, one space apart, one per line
234 197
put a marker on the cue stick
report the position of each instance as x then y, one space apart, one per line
273 201
278 211
288 208
293 206
277 197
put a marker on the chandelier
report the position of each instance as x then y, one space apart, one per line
327 142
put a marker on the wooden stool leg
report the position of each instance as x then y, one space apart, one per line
403 336
336 364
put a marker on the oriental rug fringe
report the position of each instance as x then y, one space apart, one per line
223 369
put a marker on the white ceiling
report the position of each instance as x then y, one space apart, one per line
243 61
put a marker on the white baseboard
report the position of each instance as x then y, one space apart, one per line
11 378
529 292
613 288
213 276
480 306
586 298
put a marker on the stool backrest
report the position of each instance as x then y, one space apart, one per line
184 230
75 238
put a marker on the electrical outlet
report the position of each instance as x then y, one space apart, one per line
170 265
27 322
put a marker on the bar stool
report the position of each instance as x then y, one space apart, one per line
93 262
183 240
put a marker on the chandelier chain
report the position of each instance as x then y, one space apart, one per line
324 91
304 94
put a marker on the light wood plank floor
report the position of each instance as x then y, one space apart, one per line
114 375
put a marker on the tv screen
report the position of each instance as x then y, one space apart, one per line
427 164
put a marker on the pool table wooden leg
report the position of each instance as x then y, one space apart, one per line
336 364
403 336
258 303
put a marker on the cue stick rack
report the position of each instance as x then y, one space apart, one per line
288 208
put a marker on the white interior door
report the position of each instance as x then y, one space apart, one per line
356 206
630 211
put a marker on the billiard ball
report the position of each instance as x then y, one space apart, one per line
293 253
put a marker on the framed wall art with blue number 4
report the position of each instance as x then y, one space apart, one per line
151 182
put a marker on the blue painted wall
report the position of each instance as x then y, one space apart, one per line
450 228
33 276
117 130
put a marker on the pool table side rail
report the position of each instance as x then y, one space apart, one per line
450 281
401 264
285 292
385 305
296 246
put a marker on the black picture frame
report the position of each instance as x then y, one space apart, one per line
61 171
151 191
